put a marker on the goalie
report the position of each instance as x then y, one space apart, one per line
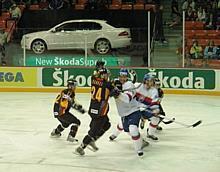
64 101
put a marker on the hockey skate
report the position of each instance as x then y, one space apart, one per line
140 153
159 128
92 146
55 134
80 151
152 137
72 139
112 137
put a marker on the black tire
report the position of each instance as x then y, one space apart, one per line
102 46
38 46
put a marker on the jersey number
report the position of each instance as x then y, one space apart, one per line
97 93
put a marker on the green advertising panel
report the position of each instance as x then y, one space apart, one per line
182 78
74 60
170 78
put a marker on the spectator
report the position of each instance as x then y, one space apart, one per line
176 16
190 14
56 4
196 50
218 52
15 12
145 57
210 24
3 40
210 50
43 4
185 5
159 33
201 14
192 4
6 4
175 9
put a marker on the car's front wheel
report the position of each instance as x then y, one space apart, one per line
102 46
38 46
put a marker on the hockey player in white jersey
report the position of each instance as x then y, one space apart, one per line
147 96
128 110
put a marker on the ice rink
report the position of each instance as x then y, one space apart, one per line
26 120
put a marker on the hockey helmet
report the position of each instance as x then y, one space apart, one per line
103 73
71 83
148 77
123 72
99 64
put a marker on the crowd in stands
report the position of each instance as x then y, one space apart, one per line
63 4
202 37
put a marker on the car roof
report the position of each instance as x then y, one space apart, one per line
85 20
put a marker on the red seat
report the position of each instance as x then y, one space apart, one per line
199 25
213 34
214 63
216 41
34 7
203 42
150 7
201 34
197 62
116 5
189 25
190 34
138 6
126 6
80 5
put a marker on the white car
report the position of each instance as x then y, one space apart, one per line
74 34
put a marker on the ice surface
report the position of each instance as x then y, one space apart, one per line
26 121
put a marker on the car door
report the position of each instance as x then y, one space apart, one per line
65 36
89 32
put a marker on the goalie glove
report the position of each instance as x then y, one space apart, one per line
79 108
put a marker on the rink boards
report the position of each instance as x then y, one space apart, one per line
173 80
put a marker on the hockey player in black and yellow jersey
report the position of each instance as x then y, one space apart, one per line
98 110
64 101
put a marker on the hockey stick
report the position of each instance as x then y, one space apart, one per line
169 122
181 123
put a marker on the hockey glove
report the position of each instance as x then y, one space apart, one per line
115 93
56 114
79 108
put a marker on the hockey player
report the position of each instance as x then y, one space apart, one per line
128 110
64 101
160 95
98 110
147 96
99 65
